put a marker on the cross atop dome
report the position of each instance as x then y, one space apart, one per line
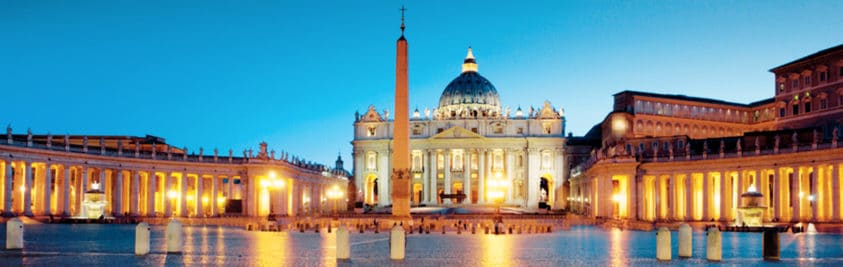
469 64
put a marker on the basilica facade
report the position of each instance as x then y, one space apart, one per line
465 149
659 157
90 177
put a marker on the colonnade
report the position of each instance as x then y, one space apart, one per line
795 189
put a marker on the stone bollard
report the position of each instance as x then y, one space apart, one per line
459 230
397 243
685 241
473 229
771 249
14 234
142 239
329 228
713 245
812 230
175 237
343 243
663 244
443 229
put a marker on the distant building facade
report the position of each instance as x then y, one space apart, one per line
469 140
143 176
672 157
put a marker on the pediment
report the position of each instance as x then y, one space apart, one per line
457 132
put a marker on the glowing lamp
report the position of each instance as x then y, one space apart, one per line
205 200
172 194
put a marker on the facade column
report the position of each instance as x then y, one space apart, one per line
672 195
814 198
481 176
510 167
723 197
213 206
706 215
168 211
251 208
689 197
65 209
230 188
118 194
638 202
425 159
200 211
466 176
447 171
183 195
434 177
835 192
150 193
27 195
795 183
48 189
282 200
776 194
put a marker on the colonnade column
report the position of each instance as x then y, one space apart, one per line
657 195
640 182
466 172
447 176
689 196
200 188
7 188
27 195
83 186
481 176
65 210
213 207
183 198
135 196
150 193
835 192
794 195
48 189
168 212
705 196
814 198
776 194
724 203
672 192
118 194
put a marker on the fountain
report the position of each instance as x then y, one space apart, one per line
751 212
93 204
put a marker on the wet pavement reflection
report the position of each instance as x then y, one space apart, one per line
99 245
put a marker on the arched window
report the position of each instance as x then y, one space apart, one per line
372 160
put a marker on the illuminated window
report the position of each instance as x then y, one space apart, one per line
440 161
417 160
781 87
497 160
457 160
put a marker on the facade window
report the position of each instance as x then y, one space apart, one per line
795 84
497 160
781 112
823 76
498 130
807 81
781 87
474 130
417 160
656 145
823 103
796 109
628 148
640 147
439 130
372 160
456 163
666 146
807 107
680 144
371 131
841 72
417 131
547 160
440 161
519 130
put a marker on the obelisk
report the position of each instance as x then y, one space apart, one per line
400 178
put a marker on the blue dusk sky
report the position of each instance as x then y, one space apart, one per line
230 74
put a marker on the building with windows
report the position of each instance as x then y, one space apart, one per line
674 157
144 176
462 145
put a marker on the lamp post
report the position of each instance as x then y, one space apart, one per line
334 194
496 190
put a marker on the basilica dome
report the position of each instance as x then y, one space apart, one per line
470 94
